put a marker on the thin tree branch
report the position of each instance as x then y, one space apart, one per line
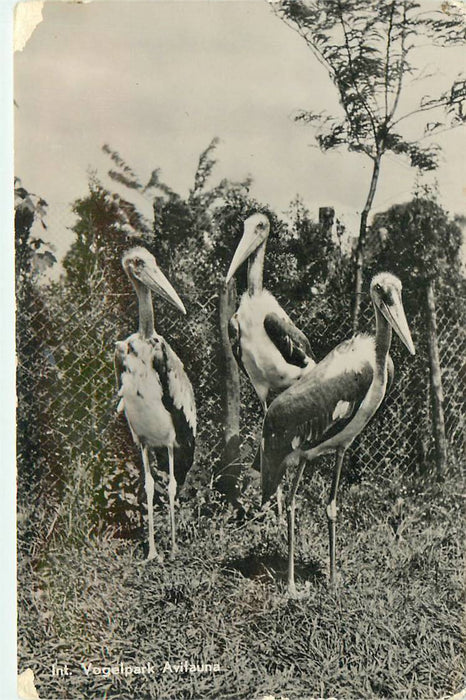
441 131
298 29
387 56
359 262
401 71
426 108
355 85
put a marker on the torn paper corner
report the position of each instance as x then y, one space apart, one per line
26 687
27 16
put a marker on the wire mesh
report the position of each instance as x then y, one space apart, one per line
65 353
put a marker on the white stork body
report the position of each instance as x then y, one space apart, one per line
155 392
266 366
143 394
269 348
328 408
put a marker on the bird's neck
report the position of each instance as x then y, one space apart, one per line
256 270
146 311
383 340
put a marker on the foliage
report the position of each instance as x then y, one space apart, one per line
368 50
321 262
32 254
420 242
106 226
200 231
93 305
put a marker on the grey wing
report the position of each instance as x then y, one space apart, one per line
180 388
178 399
310 412
290 341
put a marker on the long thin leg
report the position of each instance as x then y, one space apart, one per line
290 512
149 486
332 510
171 496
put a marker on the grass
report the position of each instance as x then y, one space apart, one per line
389 629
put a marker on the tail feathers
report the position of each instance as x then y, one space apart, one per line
183 457
269 462
256 463
273 467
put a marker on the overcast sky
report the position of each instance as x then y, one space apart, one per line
158 80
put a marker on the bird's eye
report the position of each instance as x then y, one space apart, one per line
378 287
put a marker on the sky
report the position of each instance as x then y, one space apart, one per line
158 80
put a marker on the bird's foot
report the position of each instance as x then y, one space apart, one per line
294 594
280 506
153 554
332 511
333 580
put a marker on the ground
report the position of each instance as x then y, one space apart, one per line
390 628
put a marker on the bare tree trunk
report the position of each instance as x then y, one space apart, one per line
361 245
230 468
436 383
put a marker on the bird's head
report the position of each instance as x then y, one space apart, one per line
142 269
386 295
255 232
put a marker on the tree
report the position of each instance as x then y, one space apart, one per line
368 48
320 259
106 225
421 243
31 253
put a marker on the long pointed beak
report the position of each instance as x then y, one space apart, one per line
248 243
153 278
396 317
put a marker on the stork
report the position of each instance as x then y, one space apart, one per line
330 406
271 351
268 347
155 393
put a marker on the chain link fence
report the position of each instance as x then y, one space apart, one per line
67 391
